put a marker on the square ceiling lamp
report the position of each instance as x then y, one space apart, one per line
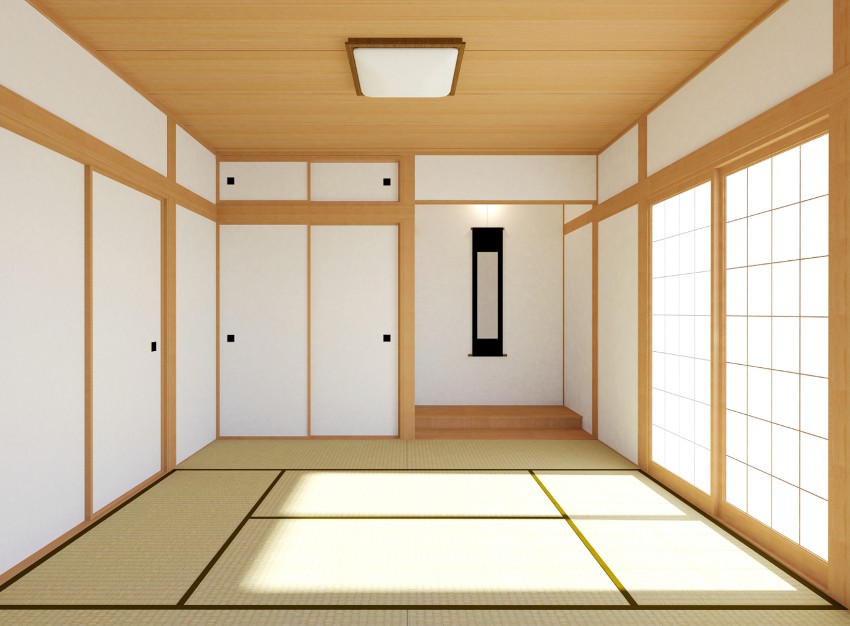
405 68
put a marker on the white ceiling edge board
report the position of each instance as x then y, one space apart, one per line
505 177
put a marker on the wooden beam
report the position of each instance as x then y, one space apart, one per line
407 301
89 348
839 352
718 341
644 335
29 120
169 334
595 324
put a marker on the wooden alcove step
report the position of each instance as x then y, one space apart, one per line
498 422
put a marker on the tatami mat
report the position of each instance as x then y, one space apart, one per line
150 551
397 454
476 454
618 494
681 557
406 494
206 617
418 562
608 617
365 617
300 454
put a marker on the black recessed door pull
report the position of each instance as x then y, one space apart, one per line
231 180
153 346
387 182
386 338
231 338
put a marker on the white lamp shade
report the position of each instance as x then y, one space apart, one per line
405 72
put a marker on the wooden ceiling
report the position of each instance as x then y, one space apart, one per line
272 76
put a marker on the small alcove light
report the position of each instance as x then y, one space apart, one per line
405 68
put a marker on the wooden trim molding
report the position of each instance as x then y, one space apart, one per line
839 352
644 335
841 34
169 335
89 347
718 341
271 212
595 326
407 300
218 332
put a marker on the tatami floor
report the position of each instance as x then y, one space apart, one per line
393 532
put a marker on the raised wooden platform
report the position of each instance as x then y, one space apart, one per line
498 422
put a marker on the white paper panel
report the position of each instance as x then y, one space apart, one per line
196 319
353 304
127 319
263 294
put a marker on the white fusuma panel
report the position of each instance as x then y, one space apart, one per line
127 319
265 180
354 182
196 335
42 377
354 326
263 330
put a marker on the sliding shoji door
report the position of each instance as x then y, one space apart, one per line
777 328
681 335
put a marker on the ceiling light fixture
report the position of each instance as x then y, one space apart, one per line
405 68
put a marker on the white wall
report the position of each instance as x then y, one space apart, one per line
263 295
266 180
196 332
47 67
533 330
195 165
618 332
126 317
788 52
42 378
572 211
506 178
618 165
578 323
353 182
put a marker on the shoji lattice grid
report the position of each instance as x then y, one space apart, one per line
777 326
681 335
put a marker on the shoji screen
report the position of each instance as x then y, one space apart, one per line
681 335
777 326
